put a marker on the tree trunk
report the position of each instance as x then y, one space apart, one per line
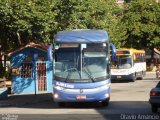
19 38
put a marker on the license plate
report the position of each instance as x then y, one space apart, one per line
119 76
81 97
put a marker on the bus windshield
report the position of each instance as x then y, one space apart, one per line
74 64
123 62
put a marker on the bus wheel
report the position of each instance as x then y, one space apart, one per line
142 75
61 104
134 78
105 102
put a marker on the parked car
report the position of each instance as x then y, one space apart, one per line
155 98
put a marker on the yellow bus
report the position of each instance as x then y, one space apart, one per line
130 64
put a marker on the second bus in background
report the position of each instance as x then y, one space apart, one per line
129 65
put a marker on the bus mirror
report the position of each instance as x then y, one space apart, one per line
109 62
57 46
109 66
50 53
113 51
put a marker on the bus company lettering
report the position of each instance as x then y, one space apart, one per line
64 85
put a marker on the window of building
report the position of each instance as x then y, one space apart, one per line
26 70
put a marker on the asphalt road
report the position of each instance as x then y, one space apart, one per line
129 100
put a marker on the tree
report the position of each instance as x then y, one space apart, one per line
38 20
42 20
88 14
142 21
23 21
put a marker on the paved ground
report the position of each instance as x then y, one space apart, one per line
21 100
141 90
127 98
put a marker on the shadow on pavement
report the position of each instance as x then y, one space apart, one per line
116 110
30 101
128 81
45 101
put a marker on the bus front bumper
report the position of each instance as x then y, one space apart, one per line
62 96
122 77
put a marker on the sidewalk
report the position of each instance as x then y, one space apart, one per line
150 72
150 75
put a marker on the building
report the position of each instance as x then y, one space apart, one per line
152 59
30 69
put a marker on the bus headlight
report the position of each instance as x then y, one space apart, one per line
106 95
104 87
55 95
129 71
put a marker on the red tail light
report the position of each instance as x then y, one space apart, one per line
153 93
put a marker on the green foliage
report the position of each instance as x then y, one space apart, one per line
38 20
142 21
135 24
88 14
23 21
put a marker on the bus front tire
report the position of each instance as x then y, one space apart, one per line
142 75
105 102
134 78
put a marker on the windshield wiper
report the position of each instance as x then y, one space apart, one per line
89 75
70 72
68 76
